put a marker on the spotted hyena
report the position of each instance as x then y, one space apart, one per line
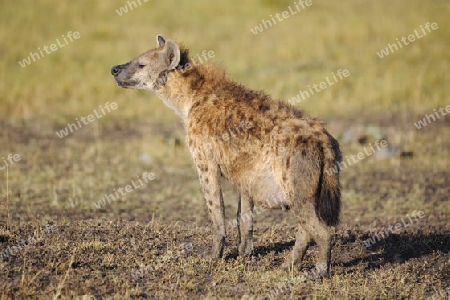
267 149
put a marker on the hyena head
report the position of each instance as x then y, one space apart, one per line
149 70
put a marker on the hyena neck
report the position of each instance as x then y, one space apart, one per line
176 96
179 93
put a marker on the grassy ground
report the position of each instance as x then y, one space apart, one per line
152 242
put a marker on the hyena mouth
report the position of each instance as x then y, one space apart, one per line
126 84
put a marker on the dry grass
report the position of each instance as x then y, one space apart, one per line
96 252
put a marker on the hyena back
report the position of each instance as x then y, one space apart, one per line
267 149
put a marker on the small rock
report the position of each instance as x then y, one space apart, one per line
146 157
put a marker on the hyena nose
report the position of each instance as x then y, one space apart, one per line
115 70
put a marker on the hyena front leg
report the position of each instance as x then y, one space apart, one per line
210 184
245 225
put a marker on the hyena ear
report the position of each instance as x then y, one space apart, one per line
171 54
160 40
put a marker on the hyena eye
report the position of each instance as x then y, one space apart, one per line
141 66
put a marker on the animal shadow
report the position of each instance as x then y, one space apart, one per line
399 248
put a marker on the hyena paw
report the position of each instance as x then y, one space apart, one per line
217 248
245 248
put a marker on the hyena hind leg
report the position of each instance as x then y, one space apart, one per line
302 240
322 236
311 228
320 233
245 225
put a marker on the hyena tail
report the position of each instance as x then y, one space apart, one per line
328 200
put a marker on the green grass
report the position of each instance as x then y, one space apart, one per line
285 58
